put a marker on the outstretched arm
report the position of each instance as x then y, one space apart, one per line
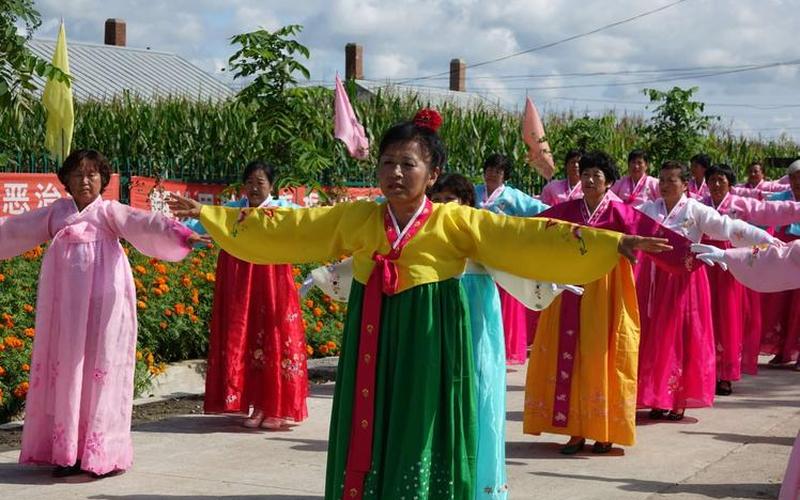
19 233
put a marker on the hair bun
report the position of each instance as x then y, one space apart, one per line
428 118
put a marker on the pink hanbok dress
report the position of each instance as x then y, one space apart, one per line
677 352
636 193
729 321
733 309
780 311
772 269
559 191
79 404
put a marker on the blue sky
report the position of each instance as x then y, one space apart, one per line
417 38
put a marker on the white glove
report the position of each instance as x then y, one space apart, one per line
710 255
577 290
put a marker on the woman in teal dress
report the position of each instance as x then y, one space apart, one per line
489 355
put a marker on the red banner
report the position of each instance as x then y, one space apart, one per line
20 193
145 194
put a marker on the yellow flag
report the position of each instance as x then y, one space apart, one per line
57 100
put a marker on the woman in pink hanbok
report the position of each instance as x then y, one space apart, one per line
780 312
637 187
78 408
737 329
676 354
765 268
566 189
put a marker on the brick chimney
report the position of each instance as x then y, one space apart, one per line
458 75
353 61
115 32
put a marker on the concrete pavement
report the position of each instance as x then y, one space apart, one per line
738 449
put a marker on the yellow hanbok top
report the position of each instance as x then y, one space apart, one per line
541 249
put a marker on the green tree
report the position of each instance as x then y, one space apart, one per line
678 127
18 65
282 111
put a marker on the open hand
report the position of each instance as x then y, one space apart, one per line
629 245
710 255
202 239
181 206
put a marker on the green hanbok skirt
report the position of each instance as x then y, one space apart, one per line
425 418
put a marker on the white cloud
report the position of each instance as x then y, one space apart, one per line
419 37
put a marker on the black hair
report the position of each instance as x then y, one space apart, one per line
497 160
572 153
457 184
638 153
256 165
721 169
754 163
702 159
74 160
685 174
602 161
424 136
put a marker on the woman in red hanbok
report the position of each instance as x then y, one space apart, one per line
256 355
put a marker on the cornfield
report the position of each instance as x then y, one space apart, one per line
211 142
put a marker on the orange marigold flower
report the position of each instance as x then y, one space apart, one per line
2 347
163 325
210 277
127 252
190 310
305 323
141 305
326 299
29 332
2 371
160 280
140 269
26 367
323 349
317 328
333 308
298 285
196 261
319 324
180 309
158 292
295 271
186 281
2 277
168 312
317 312
309 303
27 308
139 355
150 358
309 350
13 342
193 318
202 254
331 345
164 288
21 390
160 268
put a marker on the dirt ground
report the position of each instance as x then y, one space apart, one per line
10 439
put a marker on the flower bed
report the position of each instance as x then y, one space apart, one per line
174 310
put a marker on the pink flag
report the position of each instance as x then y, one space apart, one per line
346 126
539 155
